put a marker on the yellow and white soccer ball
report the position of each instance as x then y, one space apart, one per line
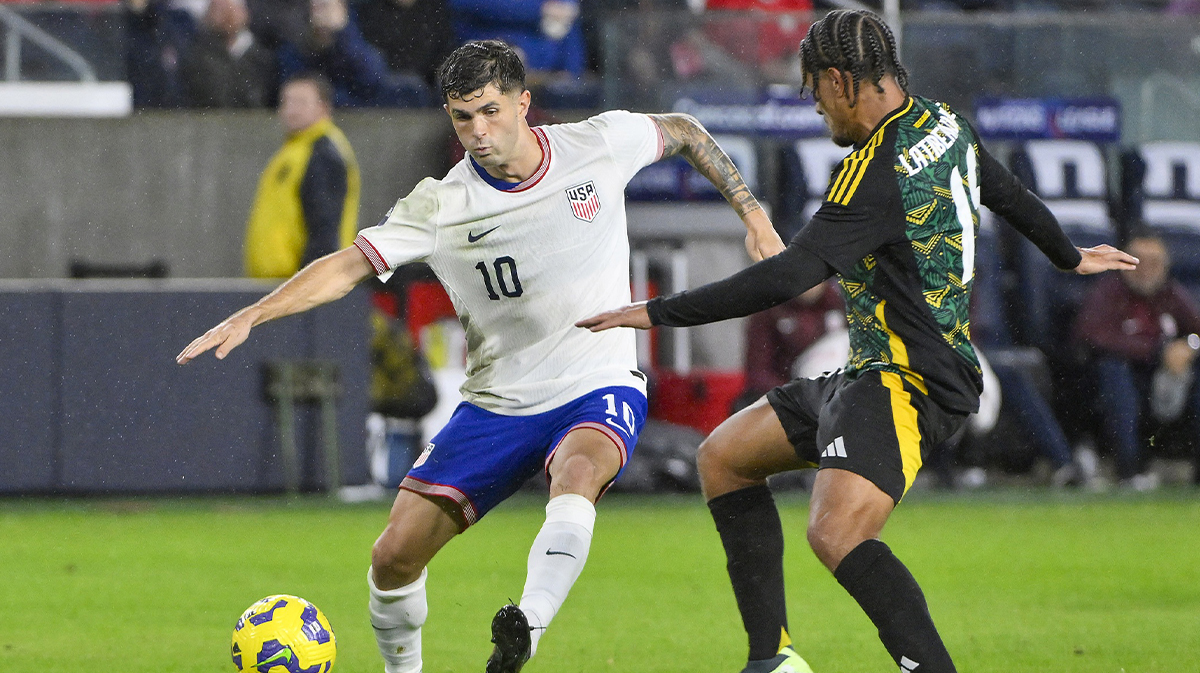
283 634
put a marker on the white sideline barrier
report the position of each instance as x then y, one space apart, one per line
66 99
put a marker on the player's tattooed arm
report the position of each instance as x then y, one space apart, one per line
685 136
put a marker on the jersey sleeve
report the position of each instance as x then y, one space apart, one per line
634 140
407 234
858 214
758 287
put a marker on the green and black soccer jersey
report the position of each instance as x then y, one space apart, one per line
898 226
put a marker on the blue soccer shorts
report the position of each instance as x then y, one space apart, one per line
481 458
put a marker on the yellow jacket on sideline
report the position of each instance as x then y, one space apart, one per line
306 205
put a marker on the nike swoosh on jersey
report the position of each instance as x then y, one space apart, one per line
552 552
471 238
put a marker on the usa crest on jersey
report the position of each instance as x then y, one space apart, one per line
585 203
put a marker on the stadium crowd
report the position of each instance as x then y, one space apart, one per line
382 53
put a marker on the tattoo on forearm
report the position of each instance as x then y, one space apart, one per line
683 135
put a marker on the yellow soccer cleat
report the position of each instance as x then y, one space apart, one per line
787 661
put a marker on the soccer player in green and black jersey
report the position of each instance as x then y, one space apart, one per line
897 226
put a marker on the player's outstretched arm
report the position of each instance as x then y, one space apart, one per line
684 135
1104 258
323 281
632 315
757 287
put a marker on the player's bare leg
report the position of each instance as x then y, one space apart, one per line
744 450
845 510
734 463
417 528
584 463
846 517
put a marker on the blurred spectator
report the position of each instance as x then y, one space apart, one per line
156 32
776 338
546 33
334 46
957 5
278 22
1014 373
1141 327
766 35
224 66
549 37
307 200
644 31
415 36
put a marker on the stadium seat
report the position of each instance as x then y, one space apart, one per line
1071 178
1162 183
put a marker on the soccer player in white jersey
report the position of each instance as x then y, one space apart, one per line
528 235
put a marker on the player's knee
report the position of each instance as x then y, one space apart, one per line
584 472
575 474
712 458
392 567
829 542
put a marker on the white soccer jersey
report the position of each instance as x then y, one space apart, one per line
523 262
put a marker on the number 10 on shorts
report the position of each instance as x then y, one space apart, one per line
628 417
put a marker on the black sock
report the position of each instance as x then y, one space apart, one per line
753 538
889 595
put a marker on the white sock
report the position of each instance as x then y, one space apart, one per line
397 616
557 557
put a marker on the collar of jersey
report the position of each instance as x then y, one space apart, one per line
532 180
887 119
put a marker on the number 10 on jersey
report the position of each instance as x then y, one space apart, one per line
505 270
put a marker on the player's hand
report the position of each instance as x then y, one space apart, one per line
225 337
762 241
633 315
1178 354
1104 258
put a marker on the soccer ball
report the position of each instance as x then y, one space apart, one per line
283 634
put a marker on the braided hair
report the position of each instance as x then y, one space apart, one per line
853 41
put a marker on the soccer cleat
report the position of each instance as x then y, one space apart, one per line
510 633
787 661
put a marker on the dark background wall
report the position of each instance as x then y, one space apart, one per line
91 399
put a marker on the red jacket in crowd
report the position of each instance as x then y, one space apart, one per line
1116 321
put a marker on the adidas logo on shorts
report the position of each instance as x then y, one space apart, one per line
836 449
906 665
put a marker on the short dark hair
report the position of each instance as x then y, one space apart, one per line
1140 229
854 41
321 82
478 63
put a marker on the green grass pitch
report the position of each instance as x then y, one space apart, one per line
1016 582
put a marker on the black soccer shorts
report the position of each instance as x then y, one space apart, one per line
878 425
